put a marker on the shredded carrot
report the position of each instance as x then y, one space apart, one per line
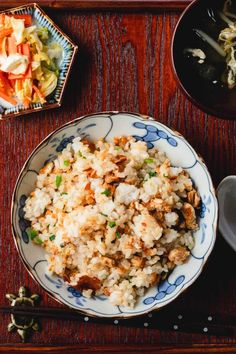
3 46
2 19
7 98
4 32
19 48
2 80
5 84
15 77
26 102
39 93
1 43
19 84
26 75
11 45
11 84
26 17
25 49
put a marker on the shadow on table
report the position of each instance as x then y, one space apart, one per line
214 291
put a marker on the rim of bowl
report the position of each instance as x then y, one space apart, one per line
49 292
203 107
220 214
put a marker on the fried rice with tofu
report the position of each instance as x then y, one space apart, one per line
114 217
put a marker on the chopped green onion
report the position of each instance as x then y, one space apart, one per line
112 224
105 276
148 161
38 240
118 234
32 233
104 215
62 245
81 155
64 193
152 174
117 148
52 237
165 175
67 163
107 192
58 180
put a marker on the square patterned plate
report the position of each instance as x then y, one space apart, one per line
69 50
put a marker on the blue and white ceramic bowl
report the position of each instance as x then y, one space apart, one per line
107 125
69 50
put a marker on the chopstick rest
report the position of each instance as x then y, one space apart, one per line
21 321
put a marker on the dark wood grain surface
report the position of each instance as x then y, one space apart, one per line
121 348
123 64
101 4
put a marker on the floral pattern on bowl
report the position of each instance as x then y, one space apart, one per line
69 50
108 125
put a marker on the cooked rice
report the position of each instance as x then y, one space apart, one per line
115 218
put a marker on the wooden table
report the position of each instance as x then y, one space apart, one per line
123 64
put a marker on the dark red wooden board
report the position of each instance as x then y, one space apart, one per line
102 4
123 63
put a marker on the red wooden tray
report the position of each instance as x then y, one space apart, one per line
123 63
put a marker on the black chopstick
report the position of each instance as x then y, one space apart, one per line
191 323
